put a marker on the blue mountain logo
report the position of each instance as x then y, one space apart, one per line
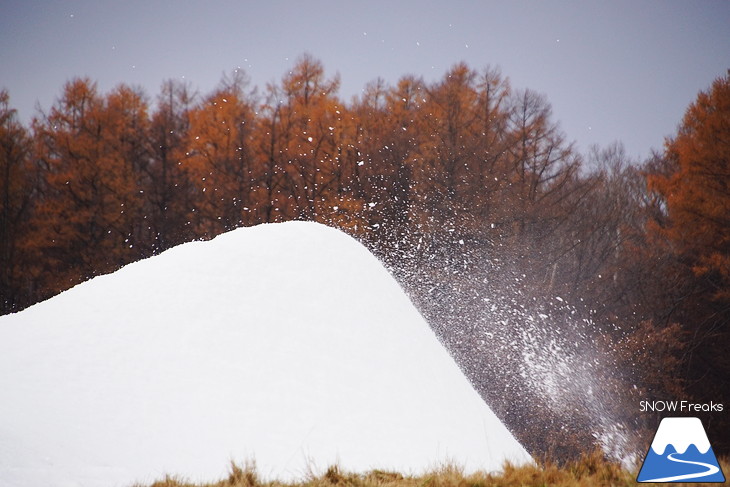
680 452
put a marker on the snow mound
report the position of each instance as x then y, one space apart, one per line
287 344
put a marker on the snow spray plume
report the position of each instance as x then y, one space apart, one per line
535 360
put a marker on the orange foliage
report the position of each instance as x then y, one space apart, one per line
697 192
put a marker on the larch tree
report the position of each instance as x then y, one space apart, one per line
697 192
694 187
449 168
308 118
387 148
90 149
69 228
18 186
272 184
125 126
220 161
542 166
167 186
492 113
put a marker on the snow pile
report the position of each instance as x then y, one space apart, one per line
288 344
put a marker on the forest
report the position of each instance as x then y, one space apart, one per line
500 230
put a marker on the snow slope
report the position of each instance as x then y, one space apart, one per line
288 343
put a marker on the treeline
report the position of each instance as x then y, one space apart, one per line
465 187
101 180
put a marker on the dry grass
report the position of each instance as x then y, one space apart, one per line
591 470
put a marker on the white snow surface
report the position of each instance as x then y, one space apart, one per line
287 344
680 432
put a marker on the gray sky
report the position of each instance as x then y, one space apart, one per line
612 70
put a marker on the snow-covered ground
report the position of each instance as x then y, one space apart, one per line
288 344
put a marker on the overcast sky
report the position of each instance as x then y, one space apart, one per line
613 70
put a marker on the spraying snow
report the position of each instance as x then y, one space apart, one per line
540 365
289 344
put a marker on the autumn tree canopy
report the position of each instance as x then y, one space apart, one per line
697 191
